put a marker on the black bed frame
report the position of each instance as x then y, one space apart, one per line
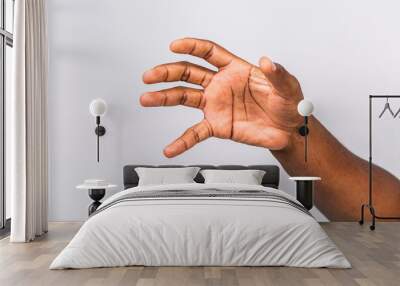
270 179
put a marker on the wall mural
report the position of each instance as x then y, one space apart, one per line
257 105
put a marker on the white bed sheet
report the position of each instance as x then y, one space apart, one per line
213 231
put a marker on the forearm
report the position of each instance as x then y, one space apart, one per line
344 184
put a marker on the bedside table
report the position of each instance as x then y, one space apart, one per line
96 193
305 190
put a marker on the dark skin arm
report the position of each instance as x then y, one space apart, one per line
344 184
257 105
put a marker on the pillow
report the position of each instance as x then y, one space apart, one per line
164 176
248 177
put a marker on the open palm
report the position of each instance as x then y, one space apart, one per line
242 102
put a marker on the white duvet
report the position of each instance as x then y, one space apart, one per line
193 231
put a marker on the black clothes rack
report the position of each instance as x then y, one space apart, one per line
369 205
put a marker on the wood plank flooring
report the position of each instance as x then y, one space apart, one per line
375 257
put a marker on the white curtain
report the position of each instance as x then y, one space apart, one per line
28 122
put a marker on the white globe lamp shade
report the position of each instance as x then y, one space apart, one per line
98 107
305 107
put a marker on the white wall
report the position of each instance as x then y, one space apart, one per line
340 51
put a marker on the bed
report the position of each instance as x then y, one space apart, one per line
201 224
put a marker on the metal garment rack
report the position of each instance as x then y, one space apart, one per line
369 205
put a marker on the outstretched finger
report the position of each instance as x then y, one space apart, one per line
211 52
174 96
191 137
179 71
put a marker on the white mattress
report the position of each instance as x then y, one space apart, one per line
199 231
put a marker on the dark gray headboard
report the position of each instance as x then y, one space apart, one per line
271 177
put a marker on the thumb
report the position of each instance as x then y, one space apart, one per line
280 78
267 66
275 73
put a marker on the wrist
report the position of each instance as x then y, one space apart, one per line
295 148
294 139
294 142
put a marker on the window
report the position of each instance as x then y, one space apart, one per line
6 60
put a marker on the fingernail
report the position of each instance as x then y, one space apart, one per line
168 152
172 44
146 73
142 100
145 76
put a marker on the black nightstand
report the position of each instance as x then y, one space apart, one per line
96 193
305 190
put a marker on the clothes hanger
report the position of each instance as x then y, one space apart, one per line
397 113
387 107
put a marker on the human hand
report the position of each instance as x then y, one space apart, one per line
242 102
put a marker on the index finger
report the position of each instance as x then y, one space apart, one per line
211 52
195 134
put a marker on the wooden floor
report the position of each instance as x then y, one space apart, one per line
375 257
